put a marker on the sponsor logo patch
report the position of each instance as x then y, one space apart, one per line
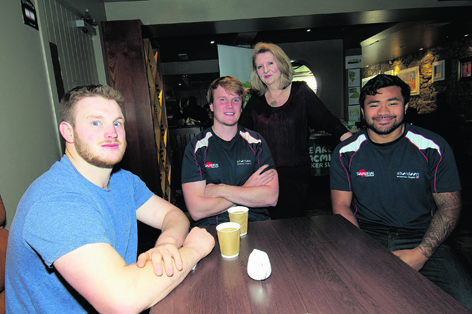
408 175
243 162
364 174
210 165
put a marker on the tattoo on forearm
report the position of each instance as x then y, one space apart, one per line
444 221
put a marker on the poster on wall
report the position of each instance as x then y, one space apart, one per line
353 77
29 14
354 62
353 94
354 113
320 149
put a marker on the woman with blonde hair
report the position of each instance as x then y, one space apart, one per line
283 111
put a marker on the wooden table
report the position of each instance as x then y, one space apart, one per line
321 264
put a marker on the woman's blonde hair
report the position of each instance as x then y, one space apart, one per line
283 63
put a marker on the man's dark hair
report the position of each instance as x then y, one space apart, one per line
381 81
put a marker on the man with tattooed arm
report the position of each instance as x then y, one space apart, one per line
399 184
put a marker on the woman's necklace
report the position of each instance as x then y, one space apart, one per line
274 100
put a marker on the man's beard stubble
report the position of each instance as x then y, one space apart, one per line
84 151
392 128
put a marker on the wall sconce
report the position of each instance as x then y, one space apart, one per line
87 24
86 27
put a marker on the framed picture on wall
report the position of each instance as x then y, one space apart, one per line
353 94
438 71
353 62
354 113
465 73
353 77
412 78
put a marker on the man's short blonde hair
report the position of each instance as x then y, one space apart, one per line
68 102
230 84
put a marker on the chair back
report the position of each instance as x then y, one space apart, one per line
178 141
3 214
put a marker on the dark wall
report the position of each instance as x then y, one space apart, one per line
327 61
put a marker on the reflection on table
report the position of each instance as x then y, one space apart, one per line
321 264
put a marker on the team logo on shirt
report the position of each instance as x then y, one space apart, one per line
408 175
364 174
243 162
210 165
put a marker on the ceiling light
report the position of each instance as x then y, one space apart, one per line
421 48
308 30
212 42
466 35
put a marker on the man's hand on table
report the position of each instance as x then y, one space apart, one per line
201 241
414 258
167 255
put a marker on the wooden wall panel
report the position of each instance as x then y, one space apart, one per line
127 73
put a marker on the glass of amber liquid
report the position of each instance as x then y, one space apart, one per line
239 214
228 238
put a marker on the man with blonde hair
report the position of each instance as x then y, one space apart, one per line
228 165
